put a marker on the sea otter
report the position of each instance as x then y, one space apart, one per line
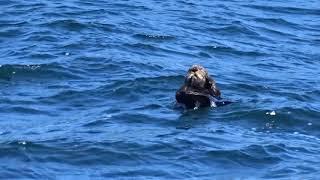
199 90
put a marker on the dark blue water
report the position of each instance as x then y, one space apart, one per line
87 89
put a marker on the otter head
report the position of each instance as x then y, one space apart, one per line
196 77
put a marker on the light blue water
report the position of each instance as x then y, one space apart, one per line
87 89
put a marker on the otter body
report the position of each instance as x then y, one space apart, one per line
198 90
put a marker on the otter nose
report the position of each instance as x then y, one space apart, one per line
194 70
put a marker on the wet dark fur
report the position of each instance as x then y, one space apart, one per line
197 89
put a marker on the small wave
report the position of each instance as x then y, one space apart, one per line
11 24
99 64
72 98
67 24
152 49
229 50
130 7
96 123
144 84
25 6
154 37
251 156
236 29
41 36
286 10
105 27
119 68
36 71
277 22
26 111
11 33
275 33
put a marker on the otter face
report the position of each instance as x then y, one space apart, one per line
199 89
196 76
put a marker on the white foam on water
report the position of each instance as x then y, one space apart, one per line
272 113
107 116
213 102
22 142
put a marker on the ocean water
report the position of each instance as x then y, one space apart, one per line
87 89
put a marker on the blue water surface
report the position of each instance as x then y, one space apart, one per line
87 89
